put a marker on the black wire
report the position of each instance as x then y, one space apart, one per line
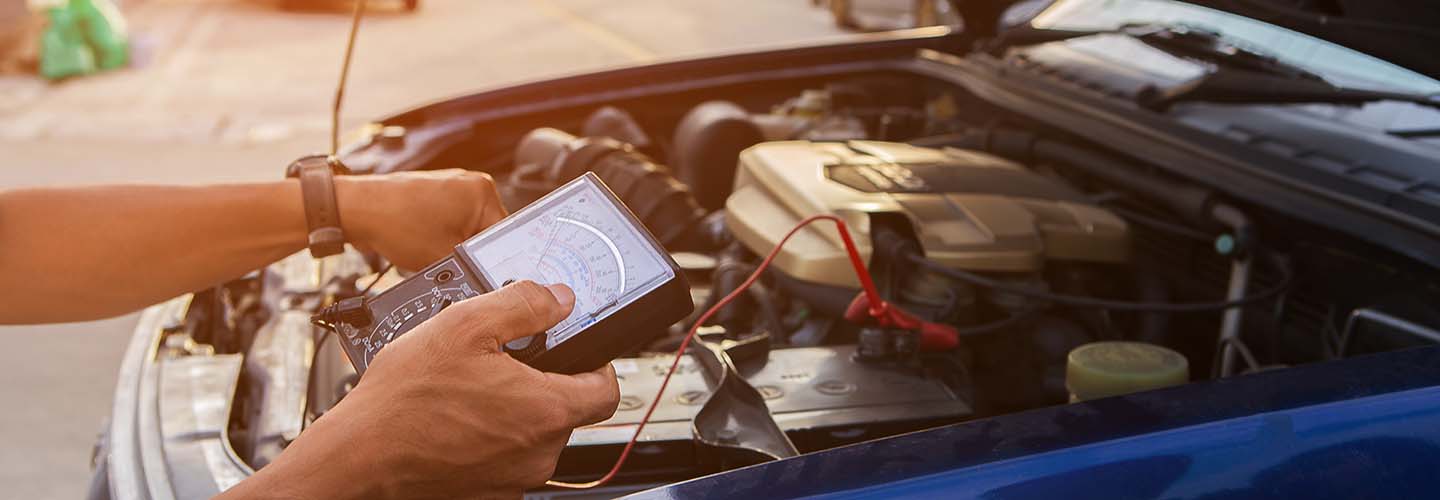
1161 225
1113 305
379 275
999 324
345 385
310 379
324 319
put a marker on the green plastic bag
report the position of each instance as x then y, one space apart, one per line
63 51
105 31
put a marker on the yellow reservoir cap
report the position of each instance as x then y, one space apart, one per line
1104 369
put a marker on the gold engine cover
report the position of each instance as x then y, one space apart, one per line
970 210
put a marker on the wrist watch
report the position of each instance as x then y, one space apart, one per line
322 213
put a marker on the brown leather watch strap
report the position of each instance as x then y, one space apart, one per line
322 212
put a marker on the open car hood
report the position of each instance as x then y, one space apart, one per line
1398 31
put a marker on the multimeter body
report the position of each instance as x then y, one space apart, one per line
627 287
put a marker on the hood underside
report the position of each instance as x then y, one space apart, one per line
1399 31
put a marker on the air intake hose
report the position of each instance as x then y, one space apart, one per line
664 204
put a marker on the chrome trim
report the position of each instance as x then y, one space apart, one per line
135 459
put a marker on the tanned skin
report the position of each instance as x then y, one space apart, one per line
441 413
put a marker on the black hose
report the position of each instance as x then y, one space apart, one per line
765 302
1013 319
1112 305
726 278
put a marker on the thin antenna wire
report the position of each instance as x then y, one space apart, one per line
344 75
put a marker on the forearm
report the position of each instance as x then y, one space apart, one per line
333 458
70 254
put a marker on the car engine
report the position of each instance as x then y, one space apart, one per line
1026 246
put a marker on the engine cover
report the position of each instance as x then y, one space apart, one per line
970 210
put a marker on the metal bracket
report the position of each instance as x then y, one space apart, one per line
735 424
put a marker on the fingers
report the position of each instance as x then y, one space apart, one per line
491 209
591 397
518 310
483 195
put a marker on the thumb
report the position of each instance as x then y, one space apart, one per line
517 310
589 397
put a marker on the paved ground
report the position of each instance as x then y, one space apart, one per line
232 90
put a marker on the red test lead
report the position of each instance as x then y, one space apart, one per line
867 308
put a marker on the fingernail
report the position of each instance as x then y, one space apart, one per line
562 294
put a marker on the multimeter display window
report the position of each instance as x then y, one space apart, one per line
577 236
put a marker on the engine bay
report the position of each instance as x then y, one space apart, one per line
1030 245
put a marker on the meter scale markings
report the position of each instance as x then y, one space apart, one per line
578 236
614 250
569 248
408 315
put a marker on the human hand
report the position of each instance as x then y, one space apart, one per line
443 412
415 218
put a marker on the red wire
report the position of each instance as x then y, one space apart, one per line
877 308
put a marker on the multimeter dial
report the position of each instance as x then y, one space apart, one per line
402 308
406 316
526 348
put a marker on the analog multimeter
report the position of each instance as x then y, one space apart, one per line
627 287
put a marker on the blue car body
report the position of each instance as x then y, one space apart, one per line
1367 427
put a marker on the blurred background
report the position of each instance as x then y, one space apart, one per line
200 91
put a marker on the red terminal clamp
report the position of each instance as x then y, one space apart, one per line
933 336
869 308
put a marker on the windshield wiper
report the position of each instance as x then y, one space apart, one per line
1178 40
1238 75
1243 76
1415 133
1230 85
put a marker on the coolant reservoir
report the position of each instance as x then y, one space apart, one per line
1104 369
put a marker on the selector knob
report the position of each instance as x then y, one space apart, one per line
526 348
